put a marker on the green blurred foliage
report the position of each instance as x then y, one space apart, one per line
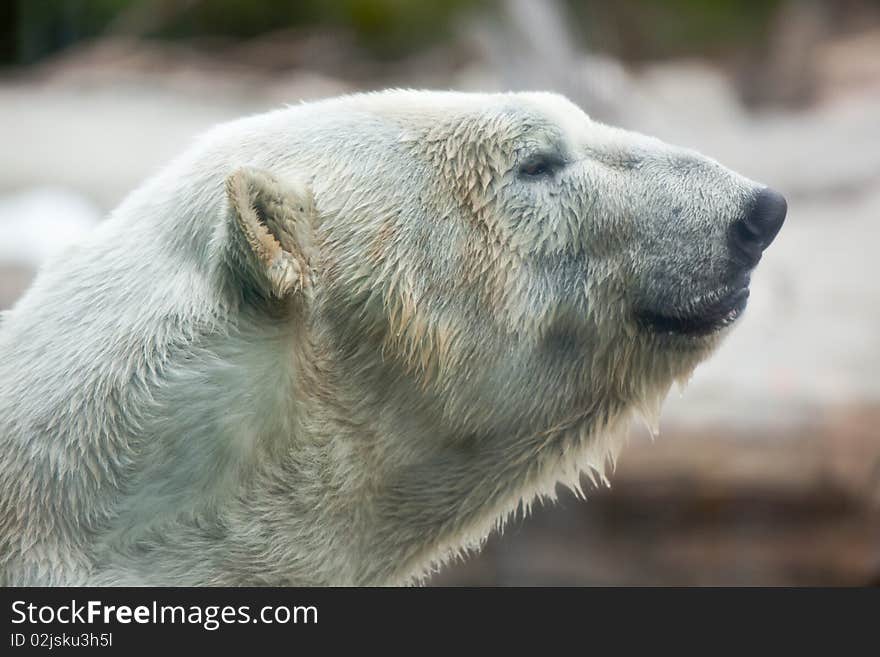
629 29
40 27
385 27
646 29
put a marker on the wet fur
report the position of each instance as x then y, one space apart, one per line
194 396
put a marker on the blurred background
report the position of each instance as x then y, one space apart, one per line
767 469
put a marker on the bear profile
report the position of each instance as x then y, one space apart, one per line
338 343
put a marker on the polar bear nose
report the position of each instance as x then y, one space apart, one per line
753 232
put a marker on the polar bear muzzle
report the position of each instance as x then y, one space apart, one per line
748 236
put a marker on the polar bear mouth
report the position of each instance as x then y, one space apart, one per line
702 317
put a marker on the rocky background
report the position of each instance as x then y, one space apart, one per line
767 469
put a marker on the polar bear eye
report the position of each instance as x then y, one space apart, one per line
541 165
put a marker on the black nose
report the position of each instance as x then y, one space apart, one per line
757 228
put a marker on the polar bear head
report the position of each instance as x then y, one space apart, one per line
516 262
402 315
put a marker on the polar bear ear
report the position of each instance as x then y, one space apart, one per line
270 231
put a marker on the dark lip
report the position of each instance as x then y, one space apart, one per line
704 321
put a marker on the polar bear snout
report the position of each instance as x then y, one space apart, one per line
700 301
758 226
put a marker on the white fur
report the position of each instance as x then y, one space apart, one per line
459 341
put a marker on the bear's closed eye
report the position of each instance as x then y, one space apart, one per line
540 165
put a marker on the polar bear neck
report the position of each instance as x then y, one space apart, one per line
342 495
215 487
225 449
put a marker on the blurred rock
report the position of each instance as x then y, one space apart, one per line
104 116
784 72
787 508
40 223
35 225
531 48
849 65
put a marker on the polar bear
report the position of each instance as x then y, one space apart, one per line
339 342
